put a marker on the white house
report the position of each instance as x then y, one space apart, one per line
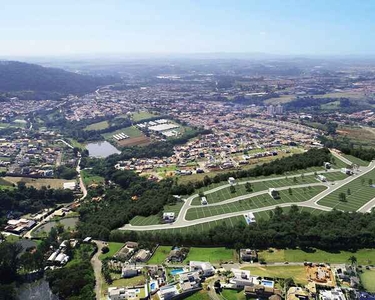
205 268
169 217
231 180
204 201
322 178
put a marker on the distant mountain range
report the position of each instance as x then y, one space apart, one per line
18 78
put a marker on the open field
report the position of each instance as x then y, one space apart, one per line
368 280
200 295
97 126
213 255
155 219
89 178
364 136
136 141
280 100
160 255
142 115
136 137
39 182
356 160
364 256
360 194
228 294
296 272
298 195
122 282
265 215
113 248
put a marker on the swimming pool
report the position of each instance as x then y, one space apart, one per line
177 271
268 283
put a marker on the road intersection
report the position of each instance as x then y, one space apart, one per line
181 221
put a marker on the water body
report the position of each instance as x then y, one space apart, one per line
101 149
38 290
67 222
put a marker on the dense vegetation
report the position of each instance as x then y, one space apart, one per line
16 202
335 230
44 83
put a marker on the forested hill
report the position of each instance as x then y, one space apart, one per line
17 77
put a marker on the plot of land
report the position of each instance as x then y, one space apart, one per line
356 160
97 126
160 255
113 248
136 137
296 272
143 115
265 215
39 182
89 178
368 280
364 256
298 195
213 255
360 193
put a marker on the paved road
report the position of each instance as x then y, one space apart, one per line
311 203
97 266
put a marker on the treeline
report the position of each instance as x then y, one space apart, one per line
348 147
311 158
21 200
332 231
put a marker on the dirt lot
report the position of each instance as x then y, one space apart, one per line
39 182
136 141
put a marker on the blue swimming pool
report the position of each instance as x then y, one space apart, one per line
268 283
177 271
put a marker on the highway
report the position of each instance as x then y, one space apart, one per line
181 221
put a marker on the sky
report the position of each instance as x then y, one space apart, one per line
101 27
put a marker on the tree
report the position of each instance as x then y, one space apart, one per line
232 189
342 197
290 191
363 181
370 181
294 179
105 250
353 260
248 187
348 192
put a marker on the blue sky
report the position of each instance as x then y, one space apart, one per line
310 27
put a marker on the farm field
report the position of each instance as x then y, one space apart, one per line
364 256
160 255
298 195
113 248
136 137
212 255
296 272
97 126
39 182
360 193
368 280
225 194
155 219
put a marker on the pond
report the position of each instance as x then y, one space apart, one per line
67 222
101 149
38 290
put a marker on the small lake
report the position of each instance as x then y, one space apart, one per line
101 149
67 222
38 290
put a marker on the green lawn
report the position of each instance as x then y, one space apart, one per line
364 256
213 255
89 178
201 295
296 272
298 195
360 194
160 255
227 294
113 248
368 280
131 131
356 160
142 115
97 126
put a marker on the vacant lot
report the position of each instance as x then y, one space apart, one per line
39 182
213 255
265 215
113 248
296 272
356 160
160 255
89 178
368 280
142 115
364 256
360 193
97 126
298 195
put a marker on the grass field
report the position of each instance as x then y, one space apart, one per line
201 295
368 280
39 182
89 178
265 215
227 294
131 131
225 194
364 256
296 272
142 115
155 219
97 126
298 195
213 255
113 248
360 194
160 255
356 160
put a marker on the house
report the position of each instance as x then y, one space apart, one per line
322 178
168 292
142 255
297 293
129 271
204 268
327 165
115 293
248 255
274 193
334 294
347 171
261 291
231 180
242 278
70 185
204 201
87 239
189 281
177 255
249 218
168 217
19 226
